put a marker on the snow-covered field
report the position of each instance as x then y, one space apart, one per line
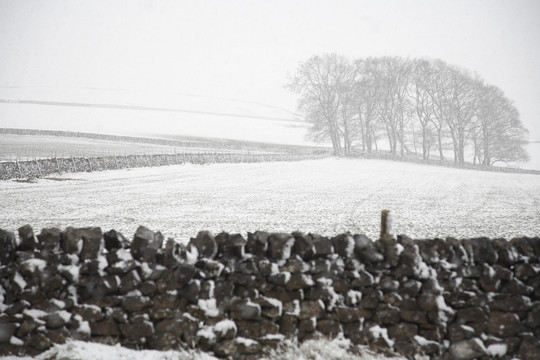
337 349
30 147
320 196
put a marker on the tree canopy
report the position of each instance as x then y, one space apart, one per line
415 106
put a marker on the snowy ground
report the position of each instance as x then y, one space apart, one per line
320 196
30 147
337 349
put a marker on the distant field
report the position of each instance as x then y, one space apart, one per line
321 196
30 147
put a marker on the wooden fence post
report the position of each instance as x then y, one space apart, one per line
386 224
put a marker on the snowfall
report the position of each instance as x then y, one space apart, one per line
326 196
320 196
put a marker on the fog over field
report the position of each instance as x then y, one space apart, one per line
387 89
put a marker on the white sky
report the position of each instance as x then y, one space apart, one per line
245 49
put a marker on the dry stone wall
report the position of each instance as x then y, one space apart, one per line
237 297
44 167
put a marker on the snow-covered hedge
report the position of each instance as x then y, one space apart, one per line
238 298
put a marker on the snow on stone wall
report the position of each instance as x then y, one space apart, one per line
237 298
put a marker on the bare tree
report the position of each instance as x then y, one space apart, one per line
325 84
501 135
422 102
408 102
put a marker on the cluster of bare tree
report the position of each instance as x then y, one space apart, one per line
418 105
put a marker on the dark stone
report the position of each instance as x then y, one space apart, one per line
226 349
392 299
299 281
257 243
428 302
107 327
364 279
344 245
59 335
307 325
402 331
311 309
509 302
280 278
370 300
529 348
474 317
249 329
135 302
288 324
525 271
28 240
483 251
388 284
7 330
328 327
516 287
245 310
387 314
533 318
8 245
246 266
137 331
504 324
191 292
503 273
88 313
523 246
148 287
412 316
39 341
130 282
429 347
347 315
459 332
92 242
294 266
266 327
323 245
366 250
406 348
391 250
169 325
49 239
26 327
265 267
115 240
145 244
351 329
507 255
58 319
280 246
237 245
183 273
271 308
410 288
223 292
303 246
206 244
71 241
